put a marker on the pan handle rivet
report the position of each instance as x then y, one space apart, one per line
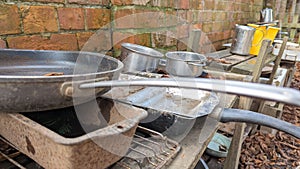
69 91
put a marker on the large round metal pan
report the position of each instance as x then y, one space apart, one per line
25 88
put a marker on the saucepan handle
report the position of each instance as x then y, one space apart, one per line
262 91
196 63
162 62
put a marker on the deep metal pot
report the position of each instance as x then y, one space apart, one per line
137 58
185 64
242 41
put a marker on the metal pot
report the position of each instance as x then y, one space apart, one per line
242 40
185 64
138 58
267 15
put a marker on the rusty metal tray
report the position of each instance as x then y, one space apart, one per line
183 102
149 149
52 150
186 103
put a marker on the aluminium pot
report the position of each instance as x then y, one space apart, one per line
137 58
242 41
185 64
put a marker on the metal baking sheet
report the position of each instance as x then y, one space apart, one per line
183 102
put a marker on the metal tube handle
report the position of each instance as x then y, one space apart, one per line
268 92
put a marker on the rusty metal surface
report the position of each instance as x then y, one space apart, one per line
149 149
52 150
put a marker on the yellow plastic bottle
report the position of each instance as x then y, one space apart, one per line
259 35
271 33
262 32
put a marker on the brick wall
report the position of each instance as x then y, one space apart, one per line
68 24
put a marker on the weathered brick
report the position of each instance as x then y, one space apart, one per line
182 16
182 4
39 19
183 31
163 39
170 18
121 2
94 41
123 18
218 45
227 34
207 16
207 27
139 18
105 2
2 44
86 2
140 2
9 20
182 45
120 37
97 18
55 42
196 4
197 26
209 4
51 1
71 18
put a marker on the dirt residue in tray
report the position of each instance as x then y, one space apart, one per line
54 74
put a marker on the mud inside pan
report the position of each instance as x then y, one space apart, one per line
57 139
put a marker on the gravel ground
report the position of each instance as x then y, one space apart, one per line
274 151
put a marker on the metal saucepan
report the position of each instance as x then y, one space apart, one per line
185 64
137 58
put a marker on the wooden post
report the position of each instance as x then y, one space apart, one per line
233 157
193 43
294 27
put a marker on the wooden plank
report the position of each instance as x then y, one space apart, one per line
234 60
219 54
232 160
193 43
278 60
293 10
247 67
294 30
274 71
229 59
291 25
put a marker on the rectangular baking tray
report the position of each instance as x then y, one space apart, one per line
57 147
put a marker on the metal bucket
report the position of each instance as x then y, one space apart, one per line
242 40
